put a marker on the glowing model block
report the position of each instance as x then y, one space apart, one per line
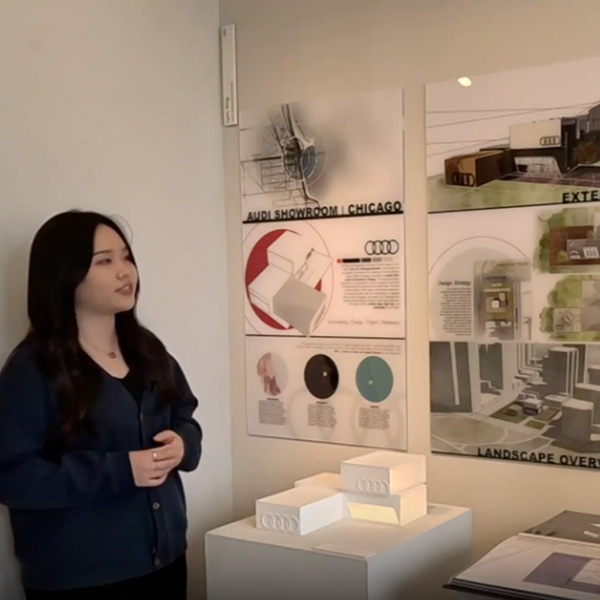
401 508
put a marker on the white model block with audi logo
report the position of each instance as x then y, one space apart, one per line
383 473
300 510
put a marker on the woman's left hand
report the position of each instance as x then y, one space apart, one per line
172 449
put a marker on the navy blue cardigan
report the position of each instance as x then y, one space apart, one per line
78 519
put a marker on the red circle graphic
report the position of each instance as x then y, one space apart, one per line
257 262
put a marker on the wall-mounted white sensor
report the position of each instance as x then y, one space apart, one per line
229 75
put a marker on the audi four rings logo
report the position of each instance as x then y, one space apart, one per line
464 179
378 247
373 486
276 522
550 140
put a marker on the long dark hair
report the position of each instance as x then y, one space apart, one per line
60 257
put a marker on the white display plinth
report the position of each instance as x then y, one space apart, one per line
351 559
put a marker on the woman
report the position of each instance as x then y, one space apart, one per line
95 425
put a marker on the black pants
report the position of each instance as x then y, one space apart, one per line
169 582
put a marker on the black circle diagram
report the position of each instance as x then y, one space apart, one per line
321 376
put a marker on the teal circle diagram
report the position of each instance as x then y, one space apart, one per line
374 379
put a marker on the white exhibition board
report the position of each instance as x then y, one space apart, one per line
323 253
514 265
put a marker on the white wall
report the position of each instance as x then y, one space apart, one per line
296 50
113 105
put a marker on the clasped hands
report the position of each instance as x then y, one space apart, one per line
151 467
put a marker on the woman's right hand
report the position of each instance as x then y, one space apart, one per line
149 468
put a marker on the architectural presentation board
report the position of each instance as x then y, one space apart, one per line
559 559
514 265
350 559
323 253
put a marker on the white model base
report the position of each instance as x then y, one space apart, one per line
351 559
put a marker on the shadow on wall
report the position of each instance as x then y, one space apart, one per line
196 570
13 326
14 280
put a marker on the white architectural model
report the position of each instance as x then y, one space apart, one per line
381 486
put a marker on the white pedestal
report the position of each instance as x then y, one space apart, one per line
351 559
